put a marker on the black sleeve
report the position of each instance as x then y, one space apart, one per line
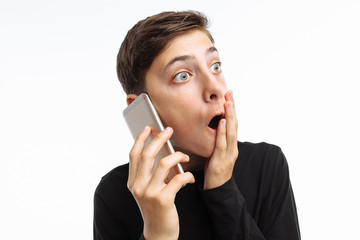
104 225
227 210
116 214
231 220
280 214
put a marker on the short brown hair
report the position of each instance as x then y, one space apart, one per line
147 39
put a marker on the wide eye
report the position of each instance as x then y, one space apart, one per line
181 77
216 67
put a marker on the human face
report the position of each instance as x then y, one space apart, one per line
187 87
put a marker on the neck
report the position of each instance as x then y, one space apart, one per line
196 162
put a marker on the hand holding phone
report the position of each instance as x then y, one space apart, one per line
140 113
154 196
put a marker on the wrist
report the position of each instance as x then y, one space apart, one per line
152 235
216 180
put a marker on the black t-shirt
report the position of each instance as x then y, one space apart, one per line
256 203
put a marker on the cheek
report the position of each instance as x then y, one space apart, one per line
192 142
175 112
191 137
184 124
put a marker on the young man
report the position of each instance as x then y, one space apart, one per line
232 190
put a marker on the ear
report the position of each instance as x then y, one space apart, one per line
130 98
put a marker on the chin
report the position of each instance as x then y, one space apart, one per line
208 153
202 149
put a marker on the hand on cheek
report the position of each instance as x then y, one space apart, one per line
220 167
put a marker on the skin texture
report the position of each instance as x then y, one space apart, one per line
187 87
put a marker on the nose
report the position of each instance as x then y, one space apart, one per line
214 87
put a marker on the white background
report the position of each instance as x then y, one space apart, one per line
293 66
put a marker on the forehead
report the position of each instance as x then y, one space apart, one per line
191 43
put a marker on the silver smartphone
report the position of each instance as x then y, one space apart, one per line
140 113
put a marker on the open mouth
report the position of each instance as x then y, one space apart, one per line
215 121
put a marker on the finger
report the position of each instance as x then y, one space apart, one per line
229 96
135 153
231 131
178 182
150 152
163 168
220 144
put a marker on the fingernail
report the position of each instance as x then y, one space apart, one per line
230 93
147 128
167 130
223 122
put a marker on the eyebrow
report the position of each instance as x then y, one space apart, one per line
187 57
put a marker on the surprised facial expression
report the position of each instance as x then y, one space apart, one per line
187 87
